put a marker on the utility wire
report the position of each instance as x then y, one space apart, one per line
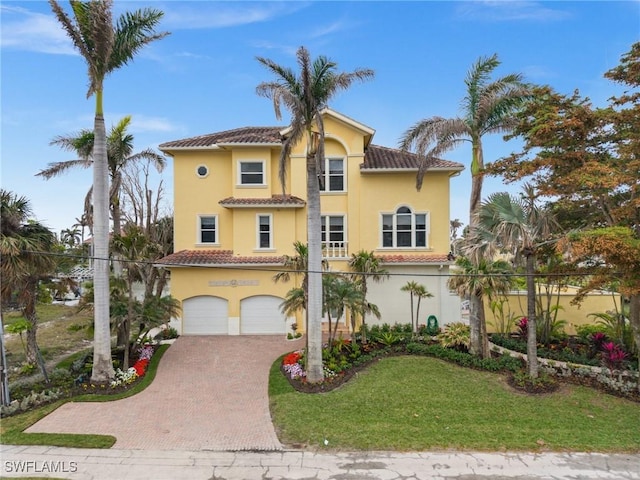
258 268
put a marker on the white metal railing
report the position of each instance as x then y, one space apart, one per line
334 250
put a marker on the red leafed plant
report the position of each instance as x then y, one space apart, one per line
613 355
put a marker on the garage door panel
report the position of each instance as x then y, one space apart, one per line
205 315
261 315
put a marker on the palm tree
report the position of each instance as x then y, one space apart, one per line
134 247
105 48
419 291
517 225
119 156
24 245
340 294
70 237
305 95
488 107
478 279
365 265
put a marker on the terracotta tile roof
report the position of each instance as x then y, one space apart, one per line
249 135
383 158
404 258
273 201
216 257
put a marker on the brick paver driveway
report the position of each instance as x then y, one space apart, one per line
210 393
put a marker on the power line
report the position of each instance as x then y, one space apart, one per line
157 264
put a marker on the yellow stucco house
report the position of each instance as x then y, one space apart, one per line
233 224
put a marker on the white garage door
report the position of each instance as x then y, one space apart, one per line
260 315
205 315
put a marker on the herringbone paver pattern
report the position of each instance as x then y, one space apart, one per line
210 393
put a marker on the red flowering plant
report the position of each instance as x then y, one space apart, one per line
136 371
292 364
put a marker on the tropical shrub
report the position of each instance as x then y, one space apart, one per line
455 335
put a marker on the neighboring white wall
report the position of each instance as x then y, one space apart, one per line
395 305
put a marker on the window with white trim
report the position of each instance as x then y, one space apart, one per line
332 228
265 231
332 175
404 229
251 172
208 228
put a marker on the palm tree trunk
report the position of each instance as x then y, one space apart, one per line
411 306
532 344
116 215
29 313
477 322
102 366
475 335
314 306
634 320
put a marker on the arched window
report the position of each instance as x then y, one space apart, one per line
404 229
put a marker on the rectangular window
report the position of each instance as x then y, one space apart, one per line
334 225
404 229
387 230
252 173
264 231
332 175
421 230
208 232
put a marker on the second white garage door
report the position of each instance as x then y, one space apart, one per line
260 315
205 315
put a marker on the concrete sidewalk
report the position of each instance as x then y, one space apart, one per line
94 464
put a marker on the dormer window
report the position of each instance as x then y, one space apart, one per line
251 173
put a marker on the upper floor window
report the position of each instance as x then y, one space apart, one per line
265 231
251 173
404 228
332 228
332 175
208 228
334 237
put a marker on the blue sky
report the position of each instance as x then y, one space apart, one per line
202 78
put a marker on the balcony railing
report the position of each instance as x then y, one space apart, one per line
334 250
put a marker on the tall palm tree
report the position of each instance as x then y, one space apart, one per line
517 225
22 261
365 265
105 47
488 107
305 95
119 156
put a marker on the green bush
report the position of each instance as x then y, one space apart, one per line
502 363
585 332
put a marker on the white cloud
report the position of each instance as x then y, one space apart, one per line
23 29
143 123
507 10
198 15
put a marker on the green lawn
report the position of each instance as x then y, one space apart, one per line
421 403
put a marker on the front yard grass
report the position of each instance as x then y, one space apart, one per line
420 403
